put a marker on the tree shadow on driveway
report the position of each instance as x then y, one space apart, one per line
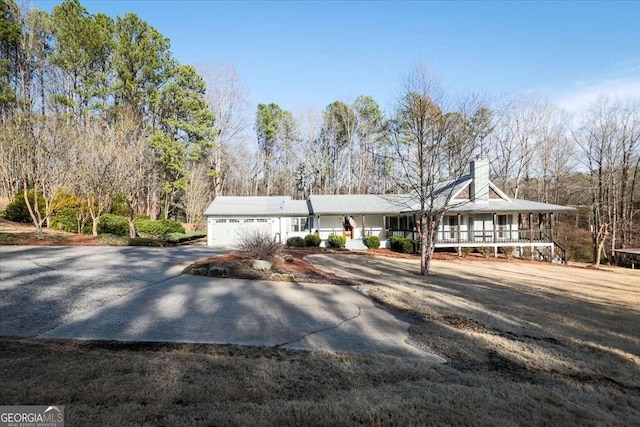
133 294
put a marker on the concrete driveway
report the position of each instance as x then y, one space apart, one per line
140 294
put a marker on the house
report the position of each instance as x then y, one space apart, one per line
478 215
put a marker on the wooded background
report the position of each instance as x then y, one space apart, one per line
98 115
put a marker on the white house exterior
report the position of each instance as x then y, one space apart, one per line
478 215
280 215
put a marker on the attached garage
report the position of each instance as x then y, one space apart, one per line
229 217
225 231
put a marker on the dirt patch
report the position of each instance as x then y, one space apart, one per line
47 238
14 233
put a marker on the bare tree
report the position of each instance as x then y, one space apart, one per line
197 195
44 150
520 125
227 97
11 134
133 171
596 137
98 166
421 131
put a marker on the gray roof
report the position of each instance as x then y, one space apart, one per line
296 208
442 193
371 204
248 206
342 204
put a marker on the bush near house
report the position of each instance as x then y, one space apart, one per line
183 237
485 251
372 242
258 244
507 251
117 225
337 241
401 244
17 210
161 227
312 240
297 242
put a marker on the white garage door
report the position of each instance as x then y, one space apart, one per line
225 231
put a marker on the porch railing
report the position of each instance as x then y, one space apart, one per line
454 235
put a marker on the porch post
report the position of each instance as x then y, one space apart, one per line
459 225
363 227
495 230
540 225
413 233
384 228
530 227
551 225
484 231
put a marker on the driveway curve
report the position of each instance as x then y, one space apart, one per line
140 294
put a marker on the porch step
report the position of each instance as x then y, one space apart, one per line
355 245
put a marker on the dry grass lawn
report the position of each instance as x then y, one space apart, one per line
527 344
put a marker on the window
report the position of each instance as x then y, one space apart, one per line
234 220
261 220
504 222
248 220
221 221
298 224
452 222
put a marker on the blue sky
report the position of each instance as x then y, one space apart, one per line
312 53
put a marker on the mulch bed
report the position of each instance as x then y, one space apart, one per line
48 238
288 265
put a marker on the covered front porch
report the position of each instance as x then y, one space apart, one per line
474 229
523 234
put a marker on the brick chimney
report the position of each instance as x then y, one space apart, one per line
479 187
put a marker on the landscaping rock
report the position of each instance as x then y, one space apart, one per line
260 264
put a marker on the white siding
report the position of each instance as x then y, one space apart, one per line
225 231
330 224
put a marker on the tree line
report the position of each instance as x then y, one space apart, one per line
98 108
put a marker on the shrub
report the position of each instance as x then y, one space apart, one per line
17 210
465 251
372 242
113 224
312 240
140 241
507 251
337 241
485 251
296 242
184 237
401 244
111 240
119 206
257 243
157 228
70 214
